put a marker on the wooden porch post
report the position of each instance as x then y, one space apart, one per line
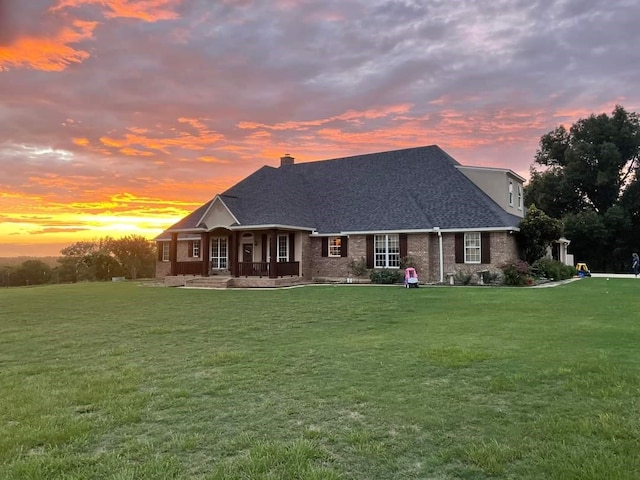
205 251
273 261
173 253
233 254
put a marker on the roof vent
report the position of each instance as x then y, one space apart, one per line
286 159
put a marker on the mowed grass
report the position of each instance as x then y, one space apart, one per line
122 381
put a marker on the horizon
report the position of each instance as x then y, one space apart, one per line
121 117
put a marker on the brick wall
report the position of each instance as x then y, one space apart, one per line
424 251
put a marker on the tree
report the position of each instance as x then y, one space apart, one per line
589 179
587 167
135 254
32 272
537 231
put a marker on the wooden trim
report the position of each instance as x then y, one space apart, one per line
403 245
273 247
292 247
459 247
485 247
264 247
370 251
325 246
344 246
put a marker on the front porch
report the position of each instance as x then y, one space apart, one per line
239 269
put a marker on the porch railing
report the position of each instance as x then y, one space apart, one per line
253 269
261 269
188 268
245 269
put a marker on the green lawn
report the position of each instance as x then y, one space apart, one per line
123 381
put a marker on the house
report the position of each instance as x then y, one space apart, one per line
305 222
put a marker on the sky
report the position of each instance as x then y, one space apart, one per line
119 117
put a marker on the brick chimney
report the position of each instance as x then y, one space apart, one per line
286 159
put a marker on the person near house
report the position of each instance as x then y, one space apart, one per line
635 264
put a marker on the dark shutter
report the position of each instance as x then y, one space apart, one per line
264 247
403 245
325 246
292 247
160 247
369 251
190 248
485 247
343 247
459 247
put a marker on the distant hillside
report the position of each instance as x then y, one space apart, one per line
17 261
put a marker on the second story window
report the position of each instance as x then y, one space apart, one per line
519 197
510 193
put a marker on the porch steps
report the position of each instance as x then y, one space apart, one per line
209 282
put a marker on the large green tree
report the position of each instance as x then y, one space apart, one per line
588 177
537 231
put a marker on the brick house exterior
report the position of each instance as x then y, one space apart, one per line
307 222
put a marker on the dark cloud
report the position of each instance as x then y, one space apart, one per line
179 99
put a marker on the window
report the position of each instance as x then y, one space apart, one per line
195 249
283 248
219 252
519 197
335 246
510 193
165 251
387 251
472 250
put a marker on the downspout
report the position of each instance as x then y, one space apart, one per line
440 253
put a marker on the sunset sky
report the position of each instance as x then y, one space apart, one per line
119 117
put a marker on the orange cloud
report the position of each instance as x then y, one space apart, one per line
199 139
49 54
146 10
351 116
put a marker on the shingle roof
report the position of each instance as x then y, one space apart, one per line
410 189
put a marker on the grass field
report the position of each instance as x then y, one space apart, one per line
122 381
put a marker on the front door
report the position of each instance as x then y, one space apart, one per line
247 252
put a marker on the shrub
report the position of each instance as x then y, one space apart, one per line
516 272
358 267
553 269
386 276
490 278
462 278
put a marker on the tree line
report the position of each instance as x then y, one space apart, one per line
131 257
587 178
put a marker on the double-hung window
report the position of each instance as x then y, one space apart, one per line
335 246
195 249
165 251
219 252
283 248
510 193
387 251
472 247
519 197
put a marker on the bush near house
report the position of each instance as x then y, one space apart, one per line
517 273
385 276
553 269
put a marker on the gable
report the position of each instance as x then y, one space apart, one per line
217 215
